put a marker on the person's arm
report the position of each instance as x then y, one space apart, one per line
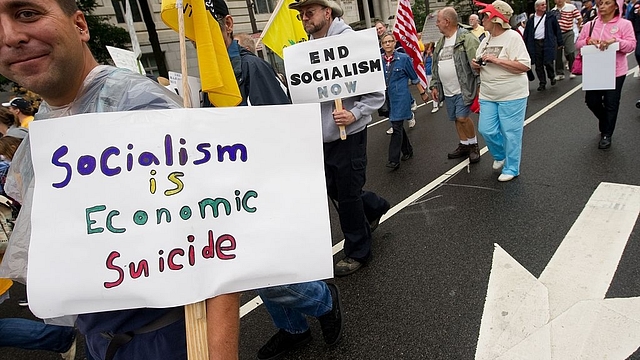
223 326
578 17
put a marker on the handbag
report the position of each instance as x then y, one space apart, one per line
386 107
576 68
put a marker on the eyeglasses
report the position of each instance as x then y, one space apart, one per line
308 13
388 41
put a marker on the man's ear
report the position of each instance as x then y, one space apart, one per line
81 25
228 24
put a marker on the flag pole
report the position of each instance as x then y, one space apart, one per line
195 314
273 15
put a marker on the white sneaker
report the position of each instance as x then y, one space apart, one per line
414 106
497 164
412 121
505 177
559 77
435 109
390 131
572 76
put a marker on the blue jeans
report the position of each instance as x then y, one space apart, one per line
501 124
288 304
34 335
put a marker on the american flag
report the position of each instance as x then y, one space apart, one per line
405 32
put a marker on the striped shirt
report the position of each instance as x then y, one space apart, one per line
567 13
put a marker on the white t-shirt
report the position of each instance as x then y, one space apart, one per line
447 68
539 34
496 83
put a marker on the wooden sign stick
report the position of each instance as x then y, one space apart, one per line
195 314
343 131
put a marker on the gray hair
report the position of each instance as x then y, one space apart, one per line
539 2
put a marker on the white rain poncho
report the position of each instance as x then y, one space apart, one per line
105 89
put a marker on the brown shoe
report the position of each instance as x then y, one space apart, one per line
461 151
474 153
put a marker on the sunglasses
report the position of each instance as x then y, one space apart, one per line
308 13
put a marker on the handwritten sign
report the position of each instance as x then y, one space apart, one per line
126 59
170 207
599 67
195 87
334 67
430 32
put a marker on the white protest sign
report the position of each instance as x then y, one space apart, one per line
334 67
599 67
170 207
126 59
430 32
175 85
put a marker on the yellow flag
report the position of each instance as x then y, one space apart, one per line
216 72
283 29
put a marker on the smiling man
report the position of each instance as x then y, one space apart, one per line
43 47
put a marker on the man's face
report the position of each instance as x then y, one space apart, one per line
473 21
441 22
587 4
380 29
40 47
541 7
314 18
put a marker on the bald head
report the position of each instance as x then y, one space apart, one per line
447 21
474 20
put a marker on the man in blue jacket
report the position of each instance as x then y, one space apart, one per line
543 37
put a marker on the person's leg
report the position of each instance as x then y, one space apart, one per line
347 160
570 48
593 99
287 304
551 73
489 128
560 62
35 335
458 112
395 143
406 147
611 102
539 64
511 117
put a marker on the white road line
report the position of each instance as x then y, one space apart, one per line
256 301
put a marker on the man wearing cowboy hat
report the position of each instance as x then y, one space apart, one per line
345 160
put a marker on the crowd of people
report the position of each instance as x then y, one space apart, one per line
484 67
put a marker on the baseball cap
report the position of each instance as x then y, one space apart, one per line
19 103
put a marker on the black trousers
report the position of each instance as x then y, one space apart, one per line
541 66
604 105
399 143
345 165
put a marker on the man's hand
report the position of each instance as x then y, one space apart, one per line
434 94
343 117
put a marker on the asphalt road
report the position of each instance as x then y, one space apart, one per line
423 294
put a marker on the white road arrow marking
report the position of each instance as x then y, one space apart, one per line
563 314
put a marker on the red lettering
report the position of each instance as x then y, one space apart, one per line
220 248
143 268
110 265
172 254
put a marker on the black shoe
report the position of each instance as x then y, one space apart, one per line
474 153
332 322
541 88
406 157
281 343
605 142
553 81
375 222
461 151
347 266
393 165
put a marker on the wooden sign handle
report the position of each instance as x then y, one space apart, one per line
343 130
196 323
